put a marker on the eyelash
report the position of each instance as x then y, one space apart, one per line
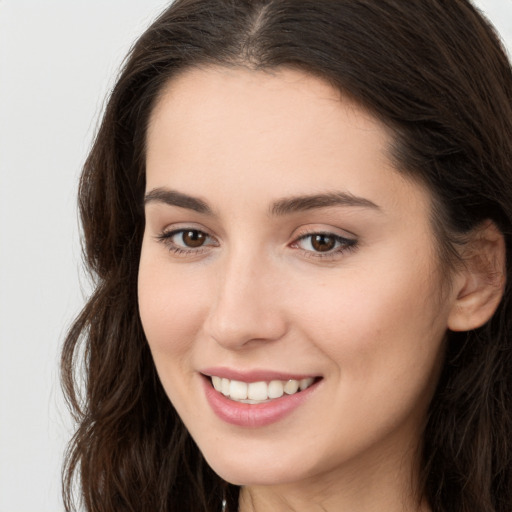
343 244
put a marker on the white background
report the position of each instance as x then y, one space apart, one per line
58 59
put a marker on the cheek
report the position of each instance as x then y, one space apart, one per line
378 326
170 316
384 344
170 311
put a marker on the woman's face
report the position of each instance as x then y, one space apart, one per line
282 250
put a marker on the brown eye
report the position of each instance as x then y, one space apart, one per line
183 242
193 238
323 243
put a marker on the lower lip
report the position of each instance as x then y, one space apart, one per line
254 415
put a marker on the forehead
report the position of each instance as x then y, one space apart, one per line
261 101
277 133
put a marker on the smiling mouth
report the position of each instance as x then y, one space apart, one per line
259 392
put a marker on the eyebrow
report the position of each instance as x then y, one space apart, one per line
309 202
174 198
280 207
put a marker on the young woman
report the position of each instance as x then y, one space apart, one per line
298 214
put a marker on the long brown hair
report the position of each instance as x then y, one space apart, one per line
432 70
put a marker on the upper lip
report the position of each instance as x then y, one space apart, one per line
254 375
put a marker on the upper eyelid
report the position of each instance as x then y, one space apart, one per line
337 232
295 236
338 238
174 230
176 227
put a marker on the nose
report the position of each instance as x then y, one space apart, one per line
247 306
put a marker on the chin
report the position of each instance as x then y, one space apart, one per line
258 467
244 474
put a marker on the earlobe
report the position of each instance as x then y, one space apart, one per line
480 283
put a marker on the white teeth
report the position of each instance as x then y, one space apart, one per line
259 392
305 383
238 390
217 383
225 387
275 389
291 387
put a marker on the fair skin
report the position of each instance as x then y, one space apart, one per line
232 277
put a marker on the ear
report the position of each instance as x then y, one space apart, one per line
480 284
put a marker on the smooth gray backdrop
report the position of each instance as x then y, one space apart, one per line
58 59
